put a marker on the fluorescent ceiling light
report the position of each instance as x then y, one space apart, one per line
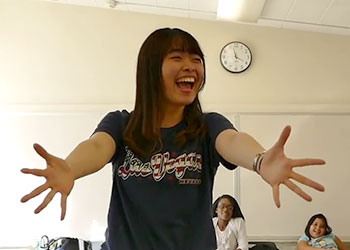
240 10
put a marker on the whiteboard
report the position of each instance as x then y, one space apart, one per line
313 135
227 181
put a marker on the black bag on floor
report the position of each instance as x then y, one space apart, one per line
263 246
63 243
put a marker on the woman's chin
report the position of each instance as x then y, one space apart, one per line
225 218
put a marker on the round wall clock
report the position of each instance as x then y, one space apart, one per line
235 57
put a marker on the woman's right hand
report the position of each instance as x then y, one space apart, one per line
59 178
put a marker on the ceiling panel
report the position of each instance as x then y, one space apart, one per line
204 5
308 11
316 28
202 15
276 9
83 2
181 4
329 16
144 8
158 10
142 2
58 1
101 3
338 14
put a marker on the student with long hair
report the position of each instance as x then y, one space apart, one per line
229 224
165 154
318 234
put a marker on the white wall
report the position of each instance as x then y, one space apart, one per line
58 132
65 59
323 136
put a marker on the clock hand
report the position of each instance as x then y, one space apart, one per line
234 53
236 57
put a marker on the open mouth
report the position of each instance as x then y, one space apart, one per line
185 83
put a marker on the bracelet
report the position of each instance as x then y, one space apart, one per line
257 161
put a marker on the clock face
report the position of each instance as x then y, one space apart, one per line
235 57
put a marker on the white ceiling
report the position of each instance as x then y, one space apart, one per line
329 16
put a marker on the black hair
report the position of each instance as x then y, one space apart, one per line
236 213
142 133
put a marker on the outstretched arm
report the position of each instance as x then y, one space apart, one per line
91 155
240 148
340 244
88 157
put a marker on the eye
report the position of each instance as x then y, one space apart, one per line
176 58
197 59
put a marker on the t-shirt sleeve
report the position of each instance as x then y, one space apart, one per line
216 124
304 238
114 124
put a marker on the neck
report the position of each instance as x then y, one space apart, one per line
171 116
222 224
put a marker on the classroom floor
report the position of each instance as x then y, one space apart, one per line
286 245
280 245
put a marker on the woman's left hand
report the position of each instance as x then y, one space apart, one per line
277 169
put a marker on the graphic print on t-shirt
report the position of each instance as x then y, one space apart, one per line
161 164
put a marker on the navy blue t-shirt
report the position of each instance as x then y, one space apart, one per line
163 202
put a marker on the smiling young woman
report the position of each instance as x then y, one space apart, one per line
165 154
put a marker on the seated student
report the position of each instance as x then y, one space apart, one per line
318 234
229 224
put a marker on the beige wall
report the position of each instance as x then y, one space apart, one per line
66 58
48 51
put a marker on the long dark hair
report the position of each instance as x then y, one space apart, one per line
312 219
236 209
142 133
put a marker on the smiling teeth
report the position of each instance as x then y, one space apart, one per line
187 79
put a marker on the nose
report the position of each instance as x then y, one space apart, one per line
188 65
188 68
